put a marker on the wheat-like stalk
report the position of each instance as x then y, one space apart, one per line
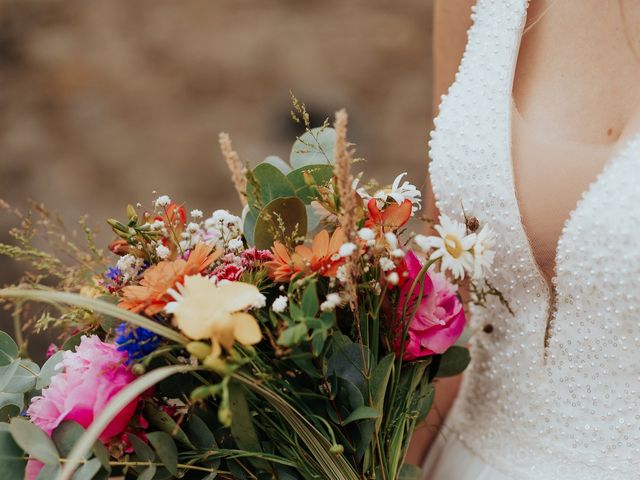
347 198
236 167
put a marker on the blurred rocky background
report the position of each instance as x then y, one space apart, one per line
103 102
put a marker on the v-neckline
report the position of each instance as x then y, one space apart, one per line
549 285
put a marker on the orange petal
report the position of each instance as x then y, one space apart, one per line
337 240
320 243
396 215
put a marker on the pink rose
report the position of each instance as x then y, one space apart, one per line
439 320
88 379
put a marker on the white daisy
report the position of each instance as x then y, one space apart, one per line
453 246
483 253
401 192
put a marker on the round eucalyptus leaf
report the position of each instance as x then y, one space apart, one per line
314 147
284 220
33 441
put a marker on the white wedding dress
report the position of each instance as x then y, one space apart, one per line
554 404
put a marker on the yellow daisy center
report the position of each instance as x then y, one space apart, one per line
453 245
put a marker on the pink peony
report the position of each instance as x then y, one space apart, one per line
89 378
440 318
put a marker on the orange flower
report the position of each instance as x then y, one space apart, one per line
321 257
151 295
392 217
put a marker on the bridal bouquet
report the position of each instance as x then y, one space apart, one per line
298 341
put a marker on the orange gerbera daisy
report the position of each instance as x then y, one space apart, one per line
322 257
151 295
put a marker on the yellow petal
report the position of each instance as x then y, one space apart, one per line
247 331
236 296
215 348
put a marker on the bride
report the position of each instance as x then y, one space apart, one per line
539 135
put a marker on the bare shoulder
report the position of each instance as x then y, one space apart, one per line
452 19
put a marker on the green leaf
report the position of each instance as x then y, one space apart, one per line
279 163
410 472
115 406
200 434
310 303
271 184
166 449
16 399
148 474
24 380
49 296
361 413
7 412
72 342
65 436
283 219
306 179
292 335
143 451
425 401
346 362
249 226
8 347
7 372
48 471
12 464
315 147
454 361
242 428
88 470
103 455
379 381
165 423
33 441
48 370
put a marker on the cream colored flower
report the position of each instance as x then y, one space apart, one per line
453 246
204 310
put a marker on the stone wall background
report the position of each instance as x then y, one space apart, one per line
103 102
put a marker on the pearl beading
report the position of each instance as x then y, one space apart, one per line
571 410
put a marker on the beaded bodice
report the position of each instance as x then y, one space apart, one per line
569 407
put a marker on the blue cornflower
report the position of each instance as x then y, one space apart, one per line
113 273
137 342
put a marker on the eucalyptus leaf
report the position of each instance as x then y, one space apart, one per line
33 441
12 464
7 412
314 147
266 183
24 380
306 179
283 219
65 436
115 406
165 423
48 471
166 450
279 163
454 361
48 370
16 399
88 470
8 347
143 451
7 372
148 473
200 434
249 226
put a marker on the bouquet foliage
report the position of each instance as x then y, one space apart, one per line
299 340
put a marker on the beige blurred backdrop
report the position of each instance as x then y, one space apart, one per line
103 102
